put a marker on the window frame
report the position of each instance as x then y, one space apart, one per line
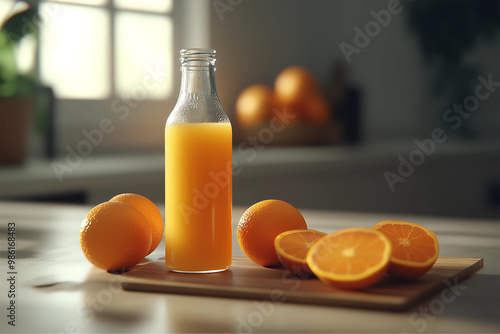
112 11
74 115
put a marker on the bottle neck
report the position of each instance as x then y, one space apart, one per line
197 82
198 101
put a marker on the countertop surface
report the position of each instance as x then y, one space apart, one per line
57 290
38 176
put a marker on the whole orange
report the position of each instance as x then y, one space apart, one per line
260 225
150 211
115 236
293 85
254 105
316 109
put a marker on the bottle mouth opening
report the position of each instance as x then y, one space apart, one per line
197 57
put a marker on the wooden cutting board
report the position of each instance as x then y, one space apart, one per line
248 280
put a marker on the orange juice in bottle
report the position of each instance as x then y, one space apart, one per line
198 172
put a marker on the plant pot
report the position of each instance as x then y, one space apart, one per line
15 117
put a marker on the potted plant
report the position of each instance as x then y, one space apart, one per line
17 89
447 31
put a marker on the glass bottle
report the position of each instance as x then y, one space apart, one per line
198 172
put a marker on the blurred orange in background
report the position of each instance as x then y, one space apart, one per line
295 102
293 85
254 105
316 109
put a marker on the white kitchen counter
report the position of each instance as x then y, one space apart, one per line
455 181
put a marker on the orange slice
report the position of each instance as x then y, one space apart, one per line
354 258
292 247
415 248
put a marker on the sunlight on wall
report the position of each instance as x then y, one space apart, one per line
25 54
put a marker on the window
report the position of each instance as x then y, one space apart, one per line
93 49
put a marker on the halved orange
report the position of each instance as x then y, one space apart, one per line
415 248
292 247
353 258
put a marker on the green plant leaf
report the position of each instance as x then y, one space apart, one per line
12 83
22 24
